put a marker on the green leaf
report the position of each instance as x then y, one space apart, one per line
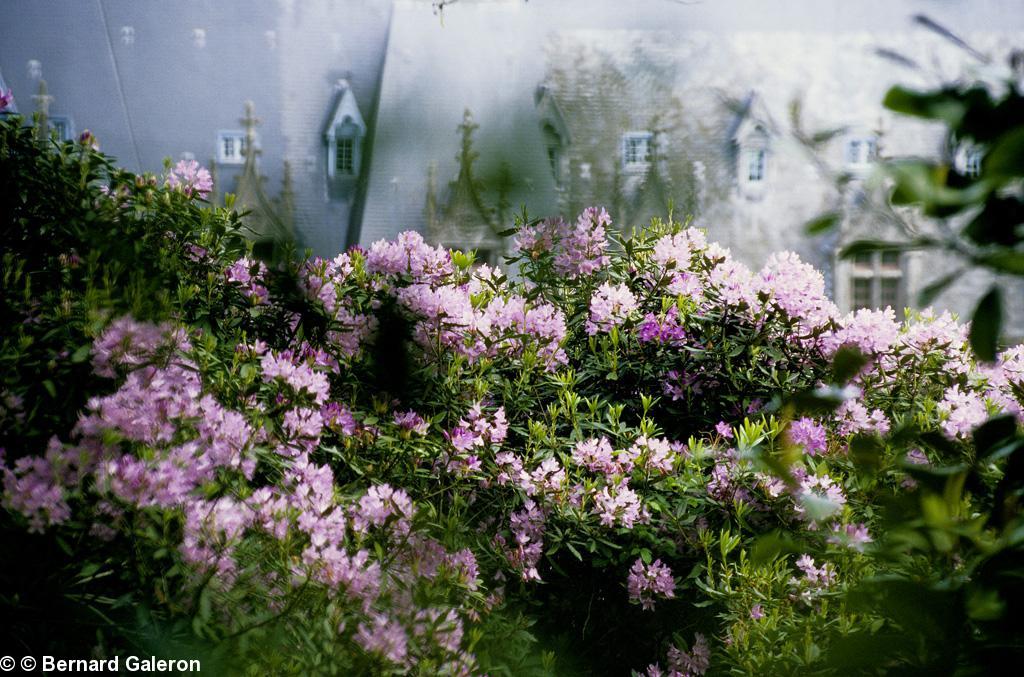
1004 261
1005 159
81 354
822 224
50 388
932 291
945 105
868 246
847 363
986 324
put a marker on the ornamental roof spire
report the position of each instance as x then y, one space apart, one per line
43 101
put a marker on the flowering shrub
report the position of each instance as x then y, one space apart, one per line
633 454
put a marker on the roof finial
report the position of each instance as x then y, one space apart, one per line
43 101
249 122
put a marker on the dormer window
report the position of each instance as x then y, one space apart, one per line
556 152
344 135
752 160
756 163
63 127
861 152
231 147
344 161
968 161
636 151
972 165
555 134
343 150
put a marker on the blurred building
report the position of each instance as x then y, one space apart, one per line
372 117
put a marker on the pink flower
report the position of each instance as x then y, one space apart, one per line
853 536
809 434
411 421
384 637
621 505
583 246
696 662
647 582
191 179
961 412
610 306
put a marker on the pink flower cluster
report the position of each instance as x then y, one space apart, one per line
475 433
819 498
610 306
854 536
579 250
692 663
409 255
191 179
667 329
816 579
810 435
127 344
250 276
188 435
649 582
695 662
527 528
961 412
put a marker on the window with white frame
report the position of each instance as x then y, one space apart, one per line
231 147
861 151
968 161
972 163
343 150
876 280
636 150
62 126
344 159
755 164
752 161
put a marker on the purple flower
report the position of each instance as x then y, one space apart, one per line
595 454
129 344
582 248
411 421
527 528
384 637
610 306
410 255
809 434
815 577
853 536
961 412
724 429
191 179
819 498
647 582
668 331
756 612
696 662
619 505
6 99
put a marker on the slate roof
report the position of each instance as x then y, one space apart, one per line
154 92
